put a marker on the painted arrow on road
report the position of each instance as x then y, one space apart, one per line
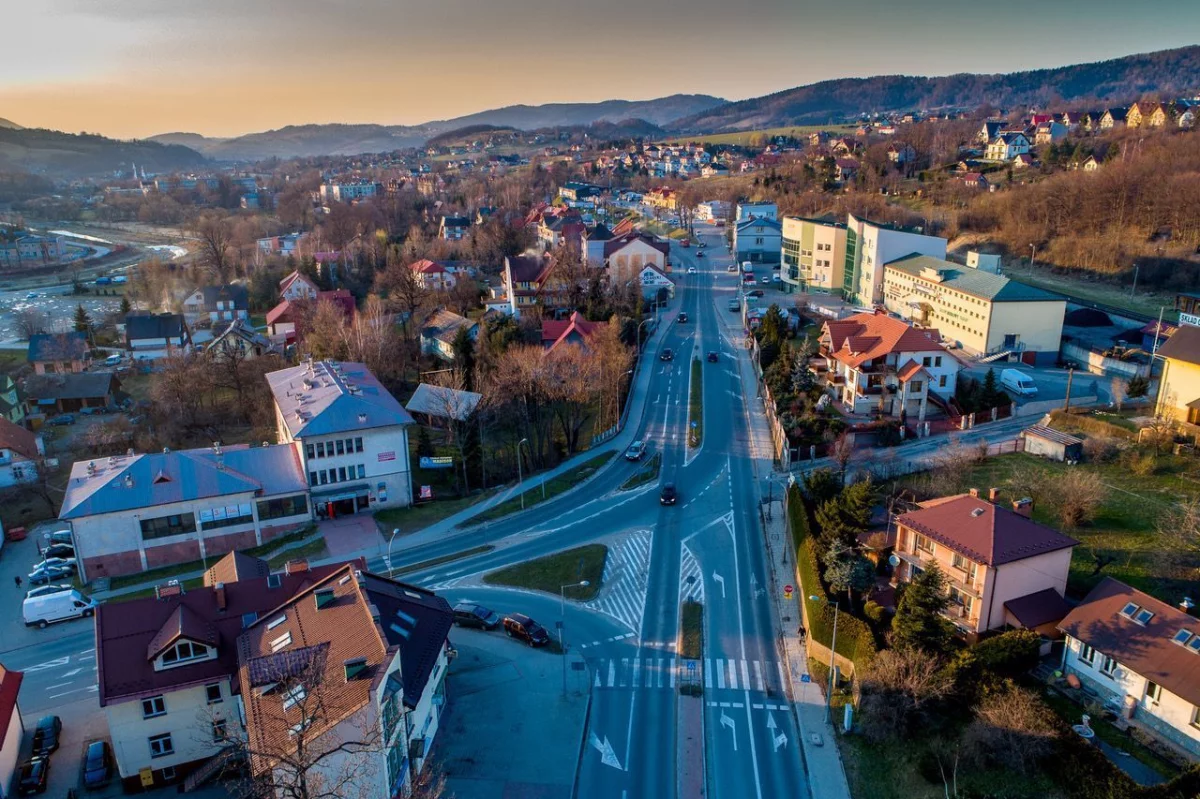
728 722
720 580
777 740
49 664
607 756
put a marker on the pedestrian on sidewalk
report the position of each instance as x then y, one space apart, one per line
17 580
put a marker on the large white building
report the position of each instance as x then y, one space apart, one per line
350 436
870 245
30 250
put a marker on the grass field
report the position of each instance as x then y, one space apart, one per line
691 630
648 473
552 572
429 564
1144 302
409 520
547 491
743 138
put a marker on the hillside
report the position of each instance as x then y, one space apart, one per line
7 125
1167 72
56 154
532 117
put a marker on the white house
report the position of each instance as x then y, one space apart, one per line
441 329
152 337
432 276
712 210
654 280
297 287
217 303
1141 656
758 240
20 451
1007 145
625 256
747 211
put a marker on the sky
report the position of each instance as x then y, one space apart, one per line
133 68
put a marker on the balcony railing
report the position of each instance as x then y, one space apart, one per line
955 577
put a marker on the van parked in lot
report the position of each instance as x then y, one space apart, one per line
44 610
113 360
1018 383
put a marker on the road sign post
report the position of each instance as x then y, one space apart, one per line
787 591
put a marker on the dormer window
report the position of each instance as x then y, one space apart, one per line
185 652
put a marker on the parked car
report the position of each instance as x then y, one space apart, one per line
92 411
776 278
668 495
735 304
64 551
45 609
731 268
754 293
59 561
45 574
61 420
766 280
683 317
33 776
700 254
636 450
62 537
667 355
468 614
713 357
518 625
46 590
46 735
1018 383
97 765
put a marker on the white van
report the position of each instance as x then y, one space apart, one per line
747 268
49 608
113 360
1018 383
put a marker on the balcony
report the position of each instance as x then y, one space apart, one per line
955 577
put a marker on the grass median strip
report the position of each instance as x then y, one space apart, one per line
696 406
648 473
429 564
552 572
552 487
691 631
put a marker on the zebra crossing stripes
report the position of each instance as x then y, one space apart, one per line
626 571
718 673
691 578
642 673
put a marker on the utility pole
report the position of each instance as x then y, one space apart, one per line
1070 375
1133 290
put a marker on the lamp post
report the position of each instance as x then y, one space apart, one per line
639 331
524 441
395 530
832 652
562 625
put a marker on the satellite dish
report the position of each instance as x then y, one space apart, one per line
893 560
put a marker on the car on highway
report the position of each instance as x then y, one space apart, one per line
97 765
46 590
33 777
683 317
754 293
469 614
46 735
691 270
636 450
59 551
699 255
713 357
731 268
61 420
667 355
518 625
31 295
766 280
668 495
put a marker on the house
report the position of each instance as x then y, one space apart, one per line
12 728
880 363
870 245
846 169
240 342
349 190
665 198
1053 444
58 352
591 246
297 287
282 320
573 330
352 657
152 337
350 436
557 230
167 667
135 512
1089 164
1179 383
1113 118
1161 115
984 313
1022 161
11 407
758 240
432 276
20 451
813 255
989 130
286 245
1138 655
747 211
1135 115
712 211
524 278
454 228
433 405
994 558
1007 145
50 394
654 282
901 153
574 191
1050 132
974 180
217 303
625 256
440 330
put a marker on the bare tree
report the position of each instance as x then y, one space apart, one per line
215 237
1079 493
31 322
841 449
1013 730
1177 546
899 690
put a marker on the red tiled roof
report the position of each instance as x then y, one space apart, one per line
620 242
984 532
183 623
576 328
1146 649
10 686
427 267
279 312
866 336
341 298
910 370
18 439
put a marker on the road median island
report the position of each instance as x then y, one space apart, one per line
429 564
691 644
542 492
647 474
552 572
696 405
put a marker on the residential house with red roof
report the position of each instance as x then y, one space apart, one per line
1002 568
297 287
878 362
20 450
1141 657
432 276
576 330
283 318
12 727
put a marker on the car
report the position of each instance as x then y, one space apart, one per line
113 360
92 411
776 278
699 255
766 280
713 357
636 450
61 537
683 317
731 268
754 293
65 551
33 776
61 420
45 574
31 295
691 270
468 614
97 765
667 355
44 590
46 735
518 625
57 560
668 495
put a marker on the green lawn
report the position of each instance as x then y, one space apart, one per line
696 405
541 493
691 630
1073 713
552 572
409 520
648 473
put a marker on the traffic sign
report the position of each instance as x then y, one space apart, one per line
787 592
805 678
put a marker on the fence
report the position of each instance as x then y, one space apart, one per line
779 439
1098 364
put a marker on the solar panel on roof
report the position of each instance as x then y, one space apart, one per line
283 665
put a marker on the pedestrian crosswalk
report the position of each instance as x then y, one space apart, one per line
666 672
626 572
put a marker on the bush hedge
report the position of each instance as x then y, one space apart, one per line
855 641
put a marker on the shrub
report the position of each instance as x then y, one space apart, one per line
1101 449
1009 654
874 611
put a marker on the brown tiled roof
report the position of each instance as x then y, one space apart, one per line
1038 608
236 566
984 532
1147 649
910 370
1183 345
529 268
620 242
18 439
866 336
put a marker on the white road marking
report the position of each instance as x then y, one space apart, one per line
72 691
732 674
758 675
745 676
720 673
707 673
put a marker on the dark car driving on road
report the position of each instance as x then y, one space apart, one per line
667 355
468 614
683 317
636 450
668 495
713 357
518 625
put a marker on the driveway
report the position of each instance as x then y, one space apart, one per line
16 560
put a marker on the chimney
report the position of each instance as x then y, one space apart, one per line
993 495
296 566
1023 507
219 592
1186 604
975 493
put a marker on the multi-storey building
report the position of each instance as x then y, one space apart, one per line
870 245
813 256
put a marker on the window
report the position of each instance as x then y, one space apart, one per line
212 692
320 449
358 445
916 385
281 642
342 474
1153 691
164 526
937 361
926 361
922 544
1086 653
1143 617
942 381
1182 637
312 481
168 773
1108 665
310 451
183 652
153 706
341 447
324 475
293 695
161 745
362 471
218 730
226 516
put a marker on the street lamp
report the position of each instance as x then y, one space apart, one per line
832 651
524 441
562 625
395 530
639 330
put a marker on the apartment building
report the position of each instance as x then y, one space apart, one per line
984 313
813 255
870 245
996 560
758 240
31 250
347 191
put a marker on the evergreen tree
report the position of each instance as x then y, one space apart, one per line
856 502
126 307
919 624
83 322
848 571
464 358
821 485
424 444
990 396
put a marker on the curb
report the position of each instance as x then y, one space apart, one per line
587 718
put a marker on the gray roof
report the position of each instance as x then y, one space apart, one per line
164 325
758 221
70 346
231 291
80 385
444 325
443 402
129 482
324 397
995 288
